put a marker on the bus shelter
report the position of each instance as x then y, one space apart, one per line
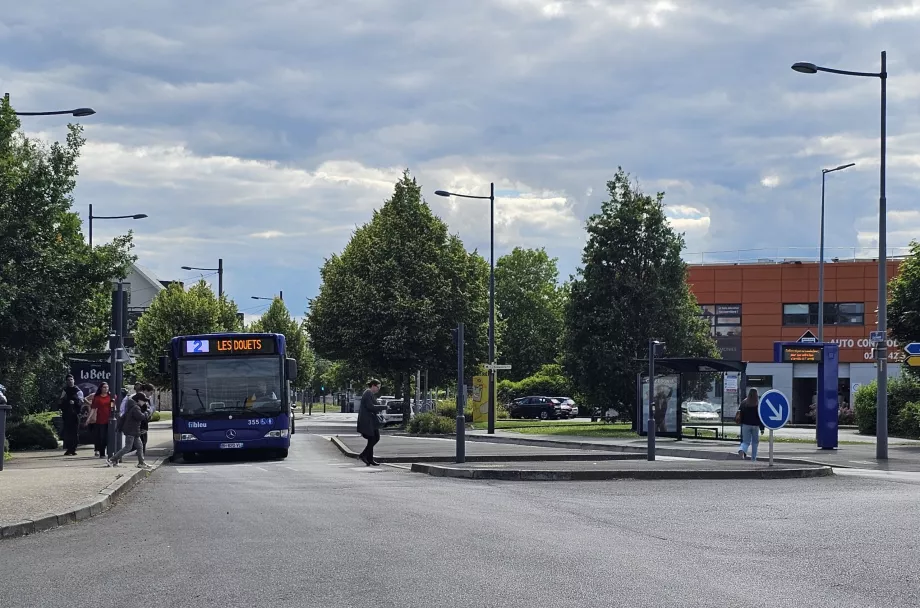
693 396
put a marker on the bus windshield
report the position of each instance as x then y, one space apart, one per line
235 386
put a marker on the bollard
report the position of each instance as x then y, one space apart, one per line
3 410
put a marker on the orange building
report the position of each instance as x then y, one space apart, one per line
752 305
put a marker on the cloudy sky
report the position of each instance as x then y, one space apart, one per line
264 131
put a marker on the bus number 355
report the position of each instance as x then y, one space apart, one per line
259 421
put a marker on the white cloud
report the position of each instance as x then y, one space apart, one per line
263 133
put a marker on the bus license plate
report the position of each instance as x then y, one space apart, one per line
230 445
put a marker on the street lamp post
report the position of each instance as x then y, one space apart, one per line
824 172
78 112
136 216
491 199
881 441
220 275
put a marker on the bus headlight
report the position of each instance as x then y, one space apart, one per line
184 437
283 433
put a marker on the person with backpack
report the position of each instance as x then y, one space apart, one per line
130 425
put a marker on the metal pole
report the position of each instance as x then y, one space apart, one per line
4 408
491 424
651 400
220 278
771 447
881 434
115 382
281 296
90 225
461 401
821 266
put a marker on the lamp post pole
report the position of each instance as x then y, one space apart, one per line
220 275
135 216
824 173
881 435
491 199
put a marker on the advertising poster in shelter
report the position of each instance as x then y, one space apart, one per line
666 404
89 370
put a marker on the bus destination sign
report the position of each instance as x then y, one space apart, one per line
802 354
216 347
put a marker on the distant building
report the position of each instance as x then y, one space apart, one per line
141 286
749 306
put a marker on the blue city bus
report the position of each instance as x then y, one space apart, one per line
230 392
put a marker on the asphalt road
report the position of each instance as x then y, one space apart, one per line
316 530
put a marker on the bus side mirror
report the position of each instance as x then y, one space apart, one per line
290 369
164 365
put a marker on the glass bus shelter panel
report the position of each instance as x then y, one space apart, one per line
667 394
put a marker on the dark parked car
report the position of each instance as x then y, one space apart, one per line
544 408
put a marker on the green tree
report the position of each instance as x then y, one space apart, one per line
277 320
52 281
177 312
631 287
529 302
904 301
389 301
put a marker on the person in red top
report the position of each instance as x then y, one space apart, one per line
100 410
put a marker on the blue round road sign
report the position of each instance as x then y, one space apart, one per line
774 410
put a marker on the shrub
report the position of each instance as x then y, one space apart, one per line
431 423
31 434
908 420
846 416
549 381
6 449
155 417
901 392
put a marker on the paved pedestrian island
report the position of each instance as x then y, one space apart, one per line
400 448
628 469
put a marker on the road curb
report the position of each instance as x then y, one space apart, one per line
498 458
639 475
662 451
107 498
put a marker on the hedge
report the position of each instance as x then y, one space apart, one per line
431 423
549 381
31 434
903 407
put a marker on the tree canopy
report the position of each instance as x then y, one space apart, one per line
389 301
277 320
904 300
631 287
55 289
529 303
177 312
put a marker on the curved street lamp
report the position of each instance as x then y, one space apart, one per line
220 275
881 435
280 297
75 112
136 216
491 199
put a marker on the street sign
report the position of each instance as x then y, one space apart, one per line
496 366
808 337
913 361
876 336
913 348
774 411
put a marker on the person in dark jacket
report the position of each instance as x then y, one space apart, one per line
70 406
750 423
130 425
368 422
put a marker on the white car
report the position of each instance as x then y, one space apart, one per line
701 412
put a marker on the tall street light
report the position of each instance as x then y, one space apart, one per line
491 199
881 435
824 172
220 275
136 216
75 112
280 297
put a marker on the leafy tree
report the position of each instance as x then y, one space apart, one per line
176 312
529 302
389 301
631 287
51 280
277 320
904 301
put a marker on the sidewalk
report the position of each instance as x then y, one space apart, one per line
900 457
43 489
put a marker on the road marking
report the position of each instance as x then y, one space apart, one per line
366 469
189 470
897 476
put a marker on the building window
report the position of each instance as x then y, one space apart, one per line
851 313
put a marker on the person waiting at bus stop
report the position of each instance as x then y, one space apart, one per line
369 422
749 420
71 404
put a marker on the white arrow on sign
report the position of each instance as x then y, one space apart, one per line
777 414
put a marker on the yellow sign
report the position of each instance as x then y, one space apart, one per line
479 398
913 361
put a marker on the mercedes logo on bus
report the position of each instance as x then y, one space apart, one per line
231 434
